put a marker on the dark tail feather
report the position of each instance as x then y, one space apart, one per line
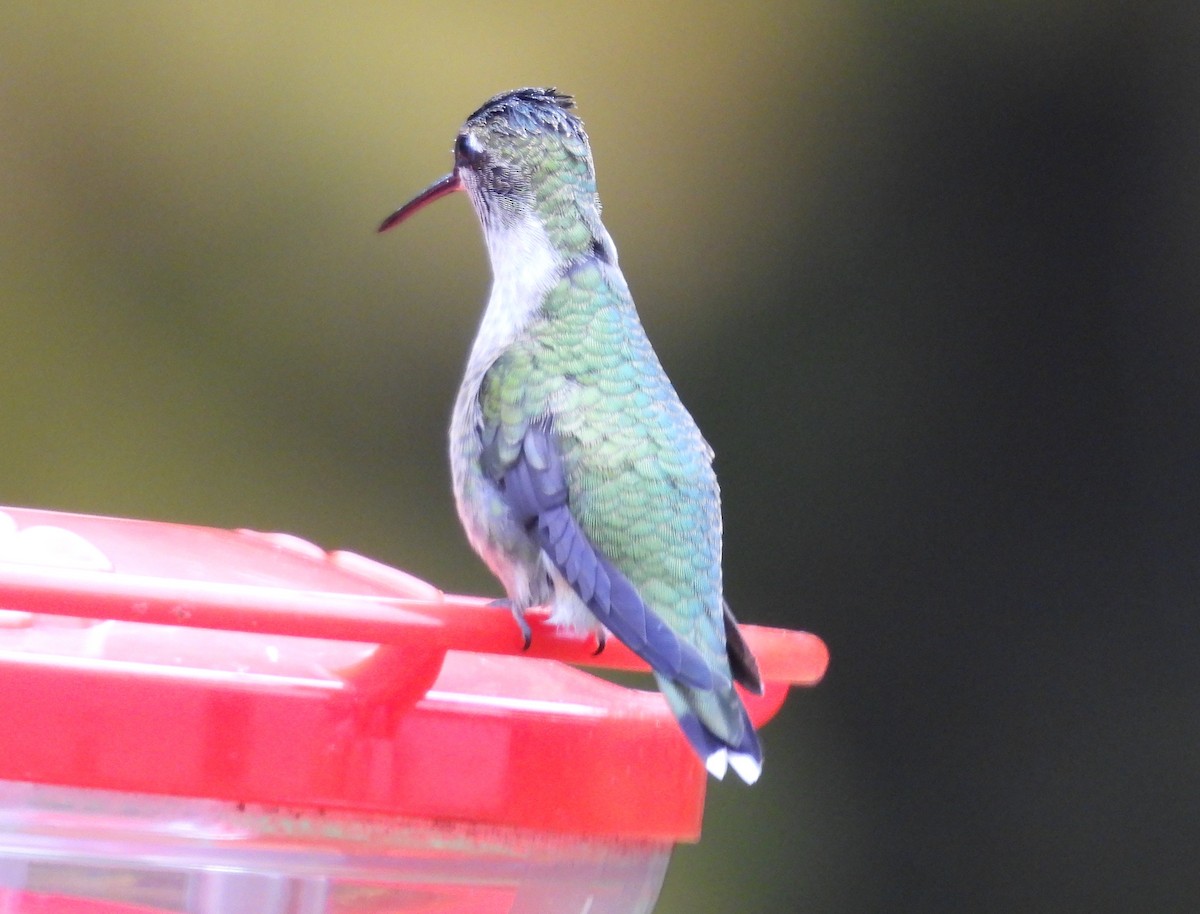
741 661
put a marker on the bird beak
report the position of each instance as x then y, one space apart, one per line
447 185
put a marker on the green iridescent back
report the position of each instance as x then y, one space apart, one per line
638 470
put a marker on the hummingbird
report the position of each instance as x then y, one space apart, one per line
579 477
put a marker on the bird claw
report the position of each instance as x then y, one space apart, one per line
601 642
526 634
519 617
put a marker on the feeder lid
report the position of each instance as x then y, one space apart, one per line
257 668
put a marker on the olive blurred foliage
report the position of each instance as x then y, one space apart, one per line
925 274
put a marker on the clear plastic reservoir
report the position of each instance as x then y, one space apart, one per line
210 857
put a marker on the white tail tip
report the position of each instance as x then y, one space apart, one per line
747 767
718 763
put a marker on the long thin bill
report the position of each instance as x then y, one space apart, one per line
435 191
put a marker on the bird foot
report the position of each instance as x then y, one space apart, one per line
519 616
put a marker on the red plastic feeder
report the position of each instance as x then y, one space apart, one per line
200 720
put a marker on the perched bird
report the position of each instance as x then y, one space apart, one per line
579 477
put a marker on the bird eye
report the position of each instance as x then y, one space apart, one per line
467 149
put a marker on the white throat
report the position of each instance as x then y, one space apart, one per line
524 265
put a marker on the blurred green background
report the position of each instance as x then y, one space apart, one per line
926 274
